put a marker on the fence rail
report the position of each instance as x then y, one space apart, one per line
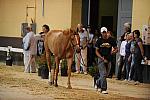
11 49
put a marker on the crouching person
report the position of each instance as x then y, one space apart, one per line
103 51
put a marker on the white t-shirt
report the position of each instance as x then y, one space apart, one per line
91 37
83 36
122 48
27 40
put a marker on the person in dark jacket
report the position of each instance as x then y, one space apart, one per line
138 54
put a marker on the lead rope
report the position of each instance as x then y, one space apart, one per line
80 60
77 56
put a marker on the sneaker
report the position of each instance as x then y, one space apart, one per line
129 79
109 76
95 87
85 73
118 78
81 72
32 72
99 90
26 72
104 92
137 83
132 81
77 72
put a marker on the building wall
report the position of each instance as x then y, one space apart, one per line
57 14
108 8
140 13
76 12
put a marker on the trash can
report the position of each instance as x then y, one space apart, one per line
9 60
44 72
9 57
64 68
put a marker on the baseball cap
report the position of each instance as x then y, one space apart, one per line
103 29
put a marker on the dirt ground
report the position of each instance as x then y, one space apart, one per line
17 85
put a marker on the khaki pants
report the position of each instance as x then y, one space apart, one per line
81 60
77 60
29 62
84 59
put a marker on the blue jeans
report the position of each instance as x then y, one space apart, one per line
104 69
131 71
127 66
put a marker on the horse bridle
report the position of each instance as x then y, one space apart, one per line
76 39
73 45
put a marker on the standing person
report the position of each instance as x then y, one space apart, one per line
28 51
128 55
127 28
90 52
83 42
95 38
122 58
132 50
138 54
113 57
77 55
103 51
81 59
41 55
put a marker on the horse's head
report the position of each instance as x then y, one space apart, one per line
75 40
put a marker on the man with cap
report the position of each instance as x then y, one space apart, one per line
104 51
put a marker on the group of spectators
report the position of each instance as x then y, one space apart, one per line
88 39
131 55
103 46
98 48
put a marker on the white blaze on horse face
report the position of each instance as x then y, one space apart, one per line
77 38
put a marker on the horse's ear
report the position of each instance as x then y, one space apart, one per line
66 32
72 30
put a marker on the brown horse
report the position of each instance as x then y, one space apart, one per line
62 44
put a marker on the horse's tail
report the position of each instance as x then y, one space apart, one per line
47 51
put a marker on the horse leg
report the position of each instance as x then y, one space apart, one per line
53 75
56 70
50 81
69 63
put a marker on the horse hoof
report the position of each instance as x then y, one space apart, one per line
69 87
50 83
56 85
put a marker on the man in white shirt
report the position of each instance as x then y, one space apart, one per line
121 60
28 43
81 59
90 49
83 42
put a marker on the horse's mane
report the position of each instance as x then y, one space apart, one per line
65 32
